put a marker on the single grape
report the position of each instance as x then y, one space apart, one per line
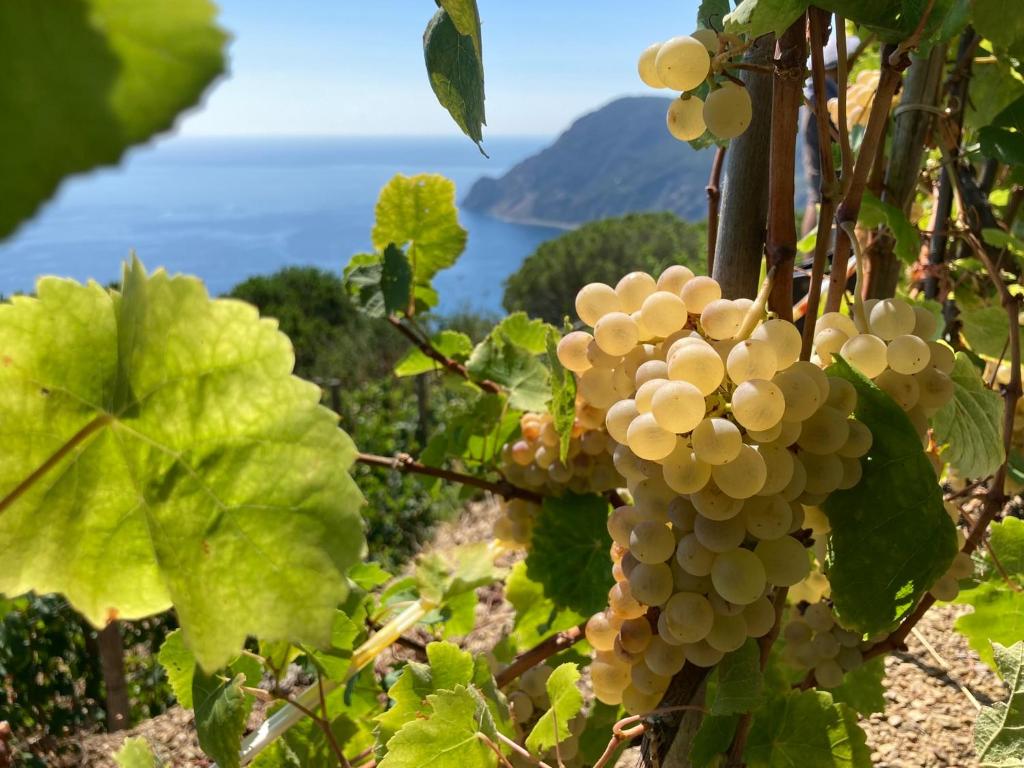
645 394
838 321
596 300
849 658
646 67
797 632
858 442
784 339
779 464
619 417
648 440
945 589
799 392
601 631
825 645
828 674
645 333
827 342
663 658
816 375
650 369
824 472
689 616
908 354
768 517
900 387
721 319
759 617
926 325
751 359
633 288
935 388
685 118
708 38
841 395
702 654
699 292
597 386
622 603
739 576
636 702
616 333
825 431
716 441
727 633
758 404
683 472
742 477
651 583
784 559
646 680
598 358
521 707
682 63
621 522
698 364
762 436
651 542
867 353
635 634
678 406
674 278
694 557
714 504
941 356
819 617
572 351
728 111
890 318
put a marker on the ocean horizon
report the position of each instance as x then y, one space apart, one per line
228 208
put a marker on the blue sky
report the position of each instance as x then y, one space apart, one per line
349 67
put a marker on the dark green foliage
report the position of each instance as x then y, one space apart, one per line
331 339
602 251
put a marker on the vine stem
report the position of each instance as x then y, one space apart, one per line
714 191
756 310
453 366
827 183
858 286
842 75
277 724
539 653
76 440
403 462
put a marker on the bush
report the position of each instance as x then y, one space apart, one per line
545 285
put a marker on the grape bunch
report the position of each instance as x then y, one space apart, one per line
815 641
527 701
533 461
1000 377
892 345
860 95
686 62
722 435
514 526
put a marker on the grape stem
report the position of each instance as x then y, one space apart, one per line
540 653
403 462
756 312
858 285
714 191
452 366
517 749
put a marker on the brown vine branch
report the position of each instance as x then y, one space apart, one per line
714 190
403 462
849 207
539 653
453 366
787 96
827 182
842 75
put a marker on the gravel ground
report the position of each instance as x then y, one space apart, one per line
931 694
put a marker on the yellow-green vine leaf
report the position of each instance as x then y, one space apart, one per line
135 752
566 701
970 426
158 453
999 730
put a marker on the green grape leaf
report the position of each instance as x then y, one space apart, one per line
395 279
862 688
515 368
379 284
476 434
334 662
992 22
179 665
895 21
466 18
891 537
85 81
179 453
713 738
368 575
135 752
445 573
986 330
594 739
222 708
446 737
806 728
531 335
537 616
566 702
569 554
970 426
874 213
740 682
452 344
563 396
457 617
759 17
998 616
999 730
418 213
711 13
1006 539
456 72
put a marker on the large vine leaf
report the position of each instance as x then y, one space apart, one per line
970 426
806 728
740 682
516 368
566 701
759 17
986 330
446 737
862 688
179 665
537 616
713 739
999 729
80 82
158 452
998 614
991 21
569 553
452 344
452 51
891 537
895 21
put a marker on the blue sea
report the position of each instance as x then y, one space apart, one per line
229 208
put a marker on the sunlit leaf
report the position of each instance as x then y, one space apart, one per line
970 426
999 730
566 701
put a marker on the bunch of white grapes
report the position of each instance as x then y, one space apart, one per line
860 95
533 461
514 526
815 641
723 435
1000 377
683 64
895 348
527 701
